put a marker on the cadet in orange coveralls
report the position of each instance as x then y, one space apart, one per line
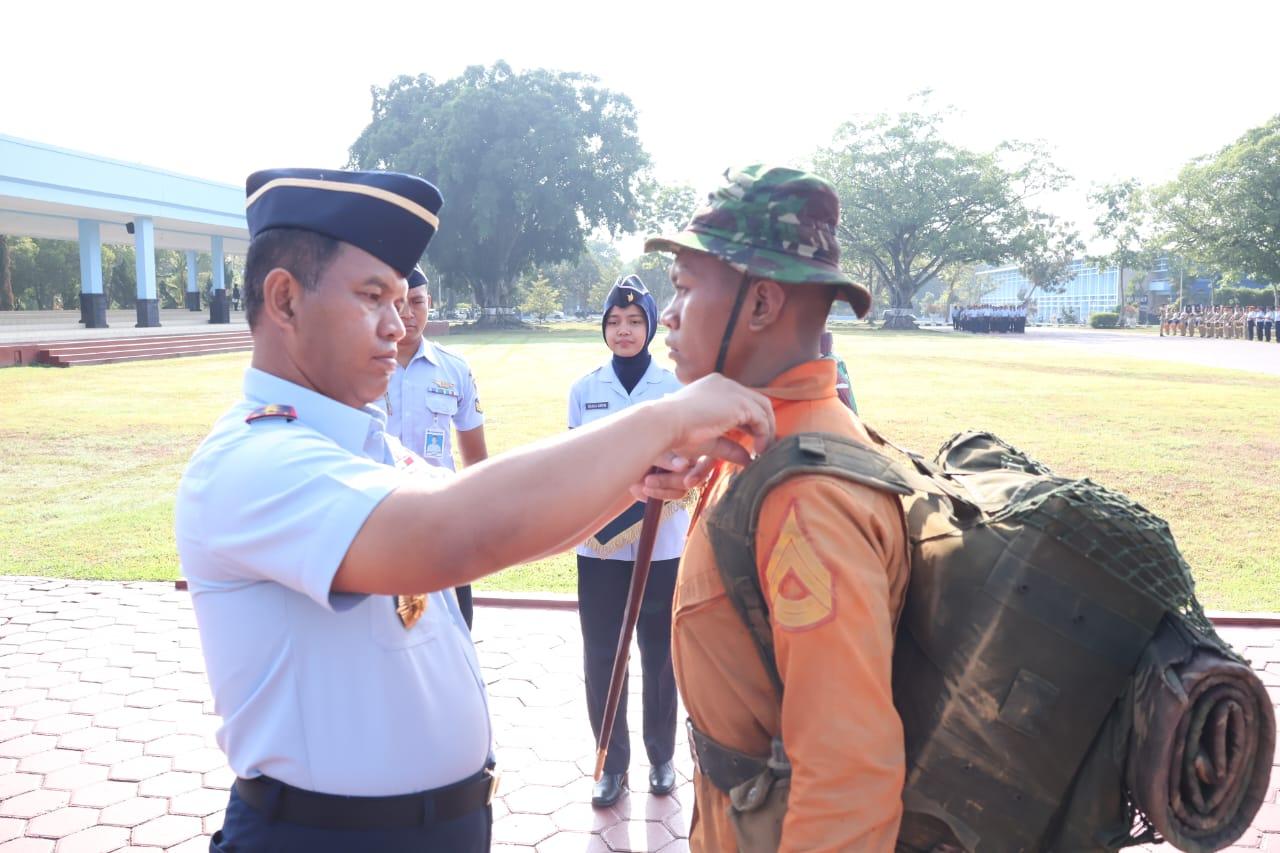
755 274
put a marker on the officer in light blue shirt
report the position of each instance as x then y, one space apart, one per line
433 392
320 552
431 395
606 561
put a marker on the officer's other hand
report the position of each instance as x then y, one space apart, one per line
704 411
676 481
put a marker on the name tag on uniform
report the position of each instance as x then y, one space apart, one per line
593 406
433 447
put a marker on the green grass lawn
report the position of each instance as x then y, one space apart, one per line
92 455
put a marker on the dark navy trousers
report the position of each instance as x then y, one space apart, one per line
246 830
602 602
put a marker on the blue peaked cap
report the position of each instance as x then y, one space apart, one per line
416 277
630 290
390 215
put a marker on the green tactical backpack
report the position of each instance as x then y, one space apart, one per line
1032 601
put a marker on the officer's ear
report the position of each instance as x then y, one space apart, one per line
766 298
280 295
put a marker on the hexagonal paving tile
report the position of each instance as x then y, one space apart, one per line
75 776
21 747
112 752
140 768
166 831
200 760
13 784
220 779
27 845
41 709
526 829
169 784
11 728
11 827
582 817
173 745
637 836
103 794
537 799
34 803
199 844
554 773
60 724
199 803
49 761
95 839
88 738
62 822
134 811
573 842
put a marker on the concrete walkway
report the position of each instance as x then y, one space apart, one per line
106 729
42 326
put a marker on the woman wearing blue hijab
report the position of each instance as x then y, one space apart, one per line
605 562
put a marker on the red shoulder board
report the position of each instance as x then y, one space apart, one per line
274 410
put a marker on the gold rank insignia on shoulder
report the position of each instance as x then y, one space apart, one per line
272 410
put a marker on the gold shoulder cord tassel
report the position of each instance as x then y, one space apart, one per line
410 608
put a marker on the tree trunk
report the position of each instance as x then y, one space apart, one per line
7 301
899 316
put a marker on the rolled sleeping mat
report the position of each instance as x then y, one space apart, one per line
1203 740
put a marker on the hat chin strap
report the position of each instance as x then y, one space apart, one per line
733 319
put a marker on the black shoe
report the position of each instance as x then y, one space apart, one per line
607 791
662 779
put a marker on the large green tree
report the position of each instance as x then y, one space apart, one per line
540 298
913 204
580 280
1224 209
1123 225
1051 246
7 300
528 163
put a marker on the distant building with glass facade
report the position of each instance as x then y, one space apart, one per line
1090 291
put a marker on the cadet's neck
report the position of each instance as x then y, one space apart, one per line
768 360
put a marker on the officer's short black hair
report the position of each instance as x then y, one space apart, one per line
303 253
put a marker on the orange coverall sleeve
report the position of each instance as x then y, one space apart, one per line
829 553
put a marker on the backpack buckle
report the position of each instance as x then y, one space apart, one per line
812 445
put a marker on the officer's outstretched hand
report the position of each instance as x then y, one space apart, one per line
702 413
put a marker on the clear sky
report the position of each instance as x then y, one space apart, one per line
219 89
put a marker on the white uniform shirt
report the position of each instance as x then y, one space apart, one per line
599 394
324 691
430 398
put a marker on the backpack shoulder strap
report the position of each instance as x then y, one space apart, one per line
732 522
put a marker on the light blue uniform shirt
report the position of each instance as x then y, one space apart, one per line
599 394
326 692
430 398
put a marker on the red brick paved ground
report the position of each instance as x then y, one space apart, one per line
106 729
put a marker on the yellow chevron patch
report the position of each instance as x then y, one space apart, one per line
801 589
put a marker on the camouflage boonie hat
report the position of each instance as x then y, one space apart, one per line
772 222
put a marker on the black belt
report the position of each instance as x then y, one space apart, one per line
726 768
279 801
